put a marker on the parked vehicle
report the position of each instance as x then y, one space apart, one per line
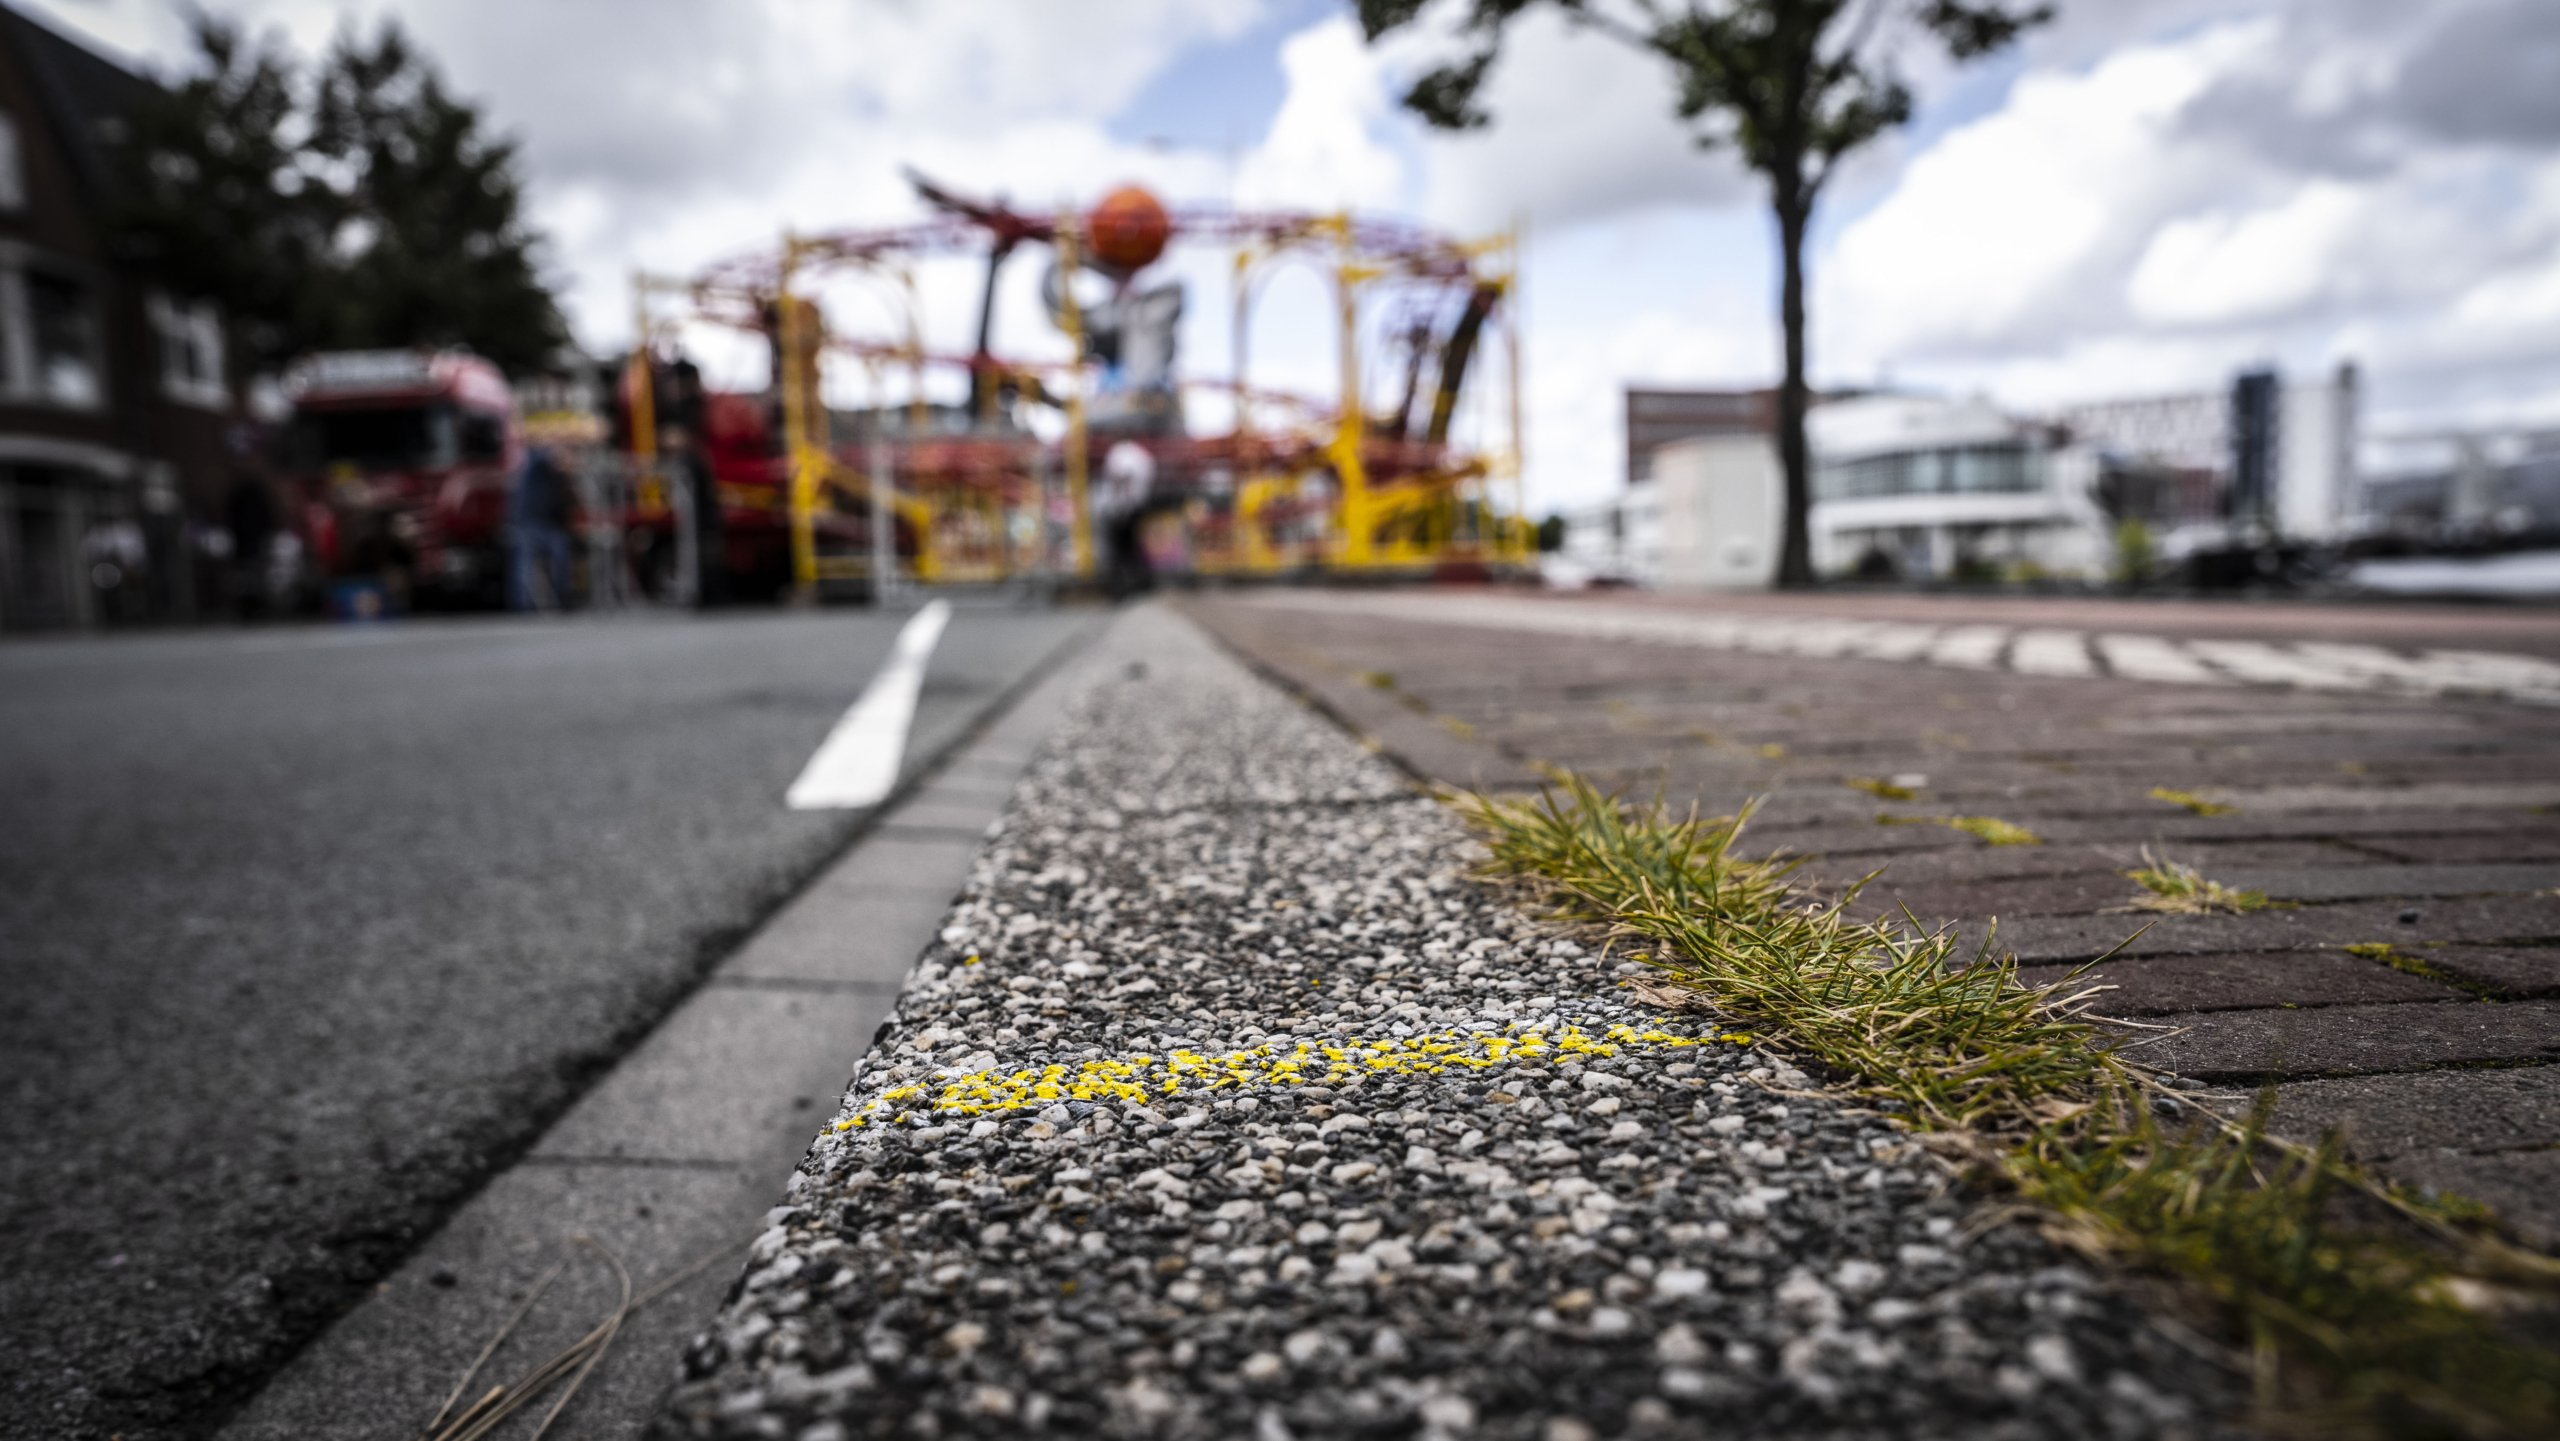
399 462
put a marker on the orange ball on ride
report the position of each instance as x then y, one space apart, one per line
1129 230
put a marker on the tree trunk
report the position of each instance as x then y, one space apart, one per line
1795 556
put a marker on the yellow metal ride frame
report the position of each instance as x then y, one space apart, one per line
1295 486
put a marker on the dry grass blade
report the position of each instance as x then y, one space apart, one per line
573 1363
603 1337
504 1331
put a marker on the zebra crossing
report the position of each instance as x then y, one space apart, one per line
2025 650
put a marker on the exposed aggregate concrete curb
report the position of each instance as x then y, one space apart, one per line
1225 1106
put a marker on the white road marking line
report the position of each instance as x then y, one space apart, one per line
2148 657
2052 652
857 764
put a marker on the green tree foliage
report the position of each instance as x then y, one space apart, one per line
1791 85
214 199
359 206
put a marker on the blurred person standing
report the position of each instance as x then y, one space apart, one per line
249 517
681 439
538 515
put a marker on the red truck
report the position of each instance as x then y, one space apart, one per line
398 463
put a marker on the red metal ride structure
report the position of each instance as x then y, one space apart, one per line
971 490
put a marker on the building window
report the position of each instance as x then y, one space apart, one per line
190 336
1963 470
13 170
62 333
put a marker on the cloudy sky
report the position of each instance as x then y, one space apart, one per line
2145 197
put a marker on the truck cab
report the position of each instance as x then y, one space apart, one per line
399 464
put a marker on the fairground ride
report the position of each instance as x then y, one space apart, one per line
951 492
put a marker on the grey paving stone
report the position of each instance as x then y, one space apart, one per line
2387 1117
2160 985
2348 1040
946 811
990 764
2523 1187
1948 864
2510 843
1960 858
2508 970
2043 895
917 863
860 936
2466 919
2342 883
736 1076
977 787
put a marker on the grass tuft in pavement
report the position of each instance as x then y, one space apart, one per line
2364 1310
1990 828
2184 890
2193 802
2410 965
2359 1319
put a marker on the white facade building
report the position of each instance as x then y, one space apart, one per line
1921 487
1721 502
2317 497
1917 486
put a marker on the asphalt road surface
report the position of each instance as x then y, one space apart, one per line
304 933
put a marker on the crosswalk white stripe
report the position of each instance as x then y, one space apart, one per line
2319 666
1974 647
857 764
2522 676
2259 661
1891 640
2148 657
2051 652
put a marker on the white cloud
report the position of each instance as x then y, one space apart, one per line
1323 151
2263 188
2145 196
2222 266
1993 236
1585 128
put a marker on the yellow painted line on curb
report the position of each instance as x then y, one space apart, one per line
1145 1078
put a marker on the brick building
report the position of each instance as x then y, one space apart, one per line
116 402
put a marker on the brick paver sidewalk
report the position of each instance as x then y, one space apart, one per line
2386 774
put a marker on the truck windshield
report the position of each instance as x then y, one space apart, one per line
404 437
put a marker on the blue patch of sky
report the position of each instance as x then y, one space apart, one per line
1219 95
